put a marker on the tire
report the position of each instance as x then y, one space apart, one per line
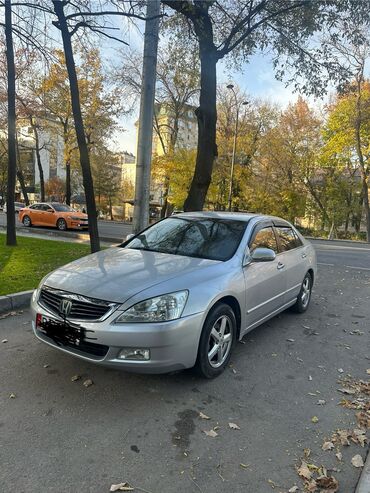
221 319
62 225
304 297
27 221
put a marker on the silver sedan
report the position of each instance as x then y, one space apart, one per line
177 295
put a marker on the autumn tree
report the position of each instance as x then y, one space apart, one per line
347 143
237 29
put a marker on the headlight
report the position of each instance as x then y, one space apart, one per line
35 295
159 309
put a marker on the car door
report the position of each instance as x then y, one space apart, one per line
49 215
34 213
265 281
292 255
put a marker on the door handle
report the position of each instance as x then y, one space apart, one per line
304 255
280 265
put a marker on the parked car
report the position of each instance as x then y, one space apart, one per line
178 294
53 214
17 206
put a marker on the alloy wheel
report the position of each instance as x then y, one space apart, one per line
220 341
306 292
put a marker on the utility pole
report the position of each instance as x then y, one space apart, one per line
237 104
145 133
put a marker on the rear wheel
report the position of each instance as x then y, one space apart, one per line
304 296
216 341
61 225
27 221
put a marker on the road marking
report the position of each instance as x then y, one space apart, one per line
356 268
323 263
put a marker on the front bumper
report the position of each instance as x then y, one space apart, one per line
173 345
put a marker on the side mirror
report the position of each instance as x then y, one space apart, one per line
128 237
263 255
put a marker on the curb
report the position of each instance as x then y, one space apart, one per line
14 301
336 240
363 485
71 235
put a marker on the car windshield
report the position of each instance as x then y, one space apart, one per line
208 238
62 208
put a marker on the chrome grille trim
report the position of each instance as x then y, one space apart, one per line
83 308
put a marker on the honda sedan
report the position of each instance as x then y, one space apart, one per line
177 295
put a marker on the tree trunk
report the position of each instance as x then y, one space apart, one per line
207 118
11 238
68 183
20 174
79 126
38 161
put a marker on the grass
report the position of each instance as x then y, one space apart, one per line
22 267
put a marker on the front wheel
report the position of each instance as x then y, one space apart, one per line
27 221
304 296
216 341
61 225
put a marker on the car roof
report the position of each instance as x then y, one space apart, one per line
237 216
241 216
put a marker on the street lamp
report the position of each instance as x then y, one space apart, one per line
244 103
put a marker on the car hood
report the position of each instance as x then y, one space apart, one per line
117 274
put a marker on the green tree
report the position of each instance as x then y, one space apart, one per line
242 27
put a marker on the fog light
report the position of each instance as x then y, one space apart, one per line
134 354
38 320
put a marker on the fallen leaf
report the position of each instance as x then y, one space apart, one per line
309 378
363 419
293 489
121 487
291 340
357 461
244 466
328 483
321 402
340 370
4 341
359 436
234 426
347 391
88 383
211 433
343 436
46 366
368 371
339 455
203 416
12 396
311 487
303 471
75 378
315 419
327 446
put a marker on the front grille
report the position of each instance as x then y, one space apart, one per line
83 308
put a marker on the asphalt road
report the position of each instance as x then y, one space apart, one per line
58 436
107 229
